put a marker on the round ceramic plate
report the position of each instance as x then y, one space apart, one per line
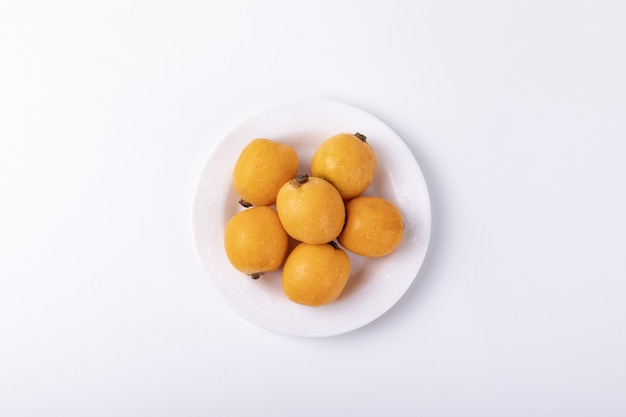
375 284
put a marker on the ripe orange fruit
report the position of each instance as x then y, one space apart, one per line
262 168
255 241
315 275
347 161
310 209
374 227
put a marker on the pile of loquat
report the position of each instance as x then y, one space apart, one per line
323 211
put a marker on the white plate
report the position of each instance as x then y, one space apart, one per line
375 285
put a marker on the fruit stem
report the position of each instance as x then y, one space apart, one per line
298 180
361 136
245 203
256 275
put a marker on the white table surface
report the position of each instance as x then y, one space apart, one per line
515 111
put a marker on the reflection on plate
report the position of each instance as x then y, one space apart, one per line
375 285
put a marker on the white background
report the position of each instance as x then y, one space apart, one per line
515 110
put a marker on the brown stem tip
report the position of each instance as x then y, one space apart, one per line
245 203
298 180
256 275
361 136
